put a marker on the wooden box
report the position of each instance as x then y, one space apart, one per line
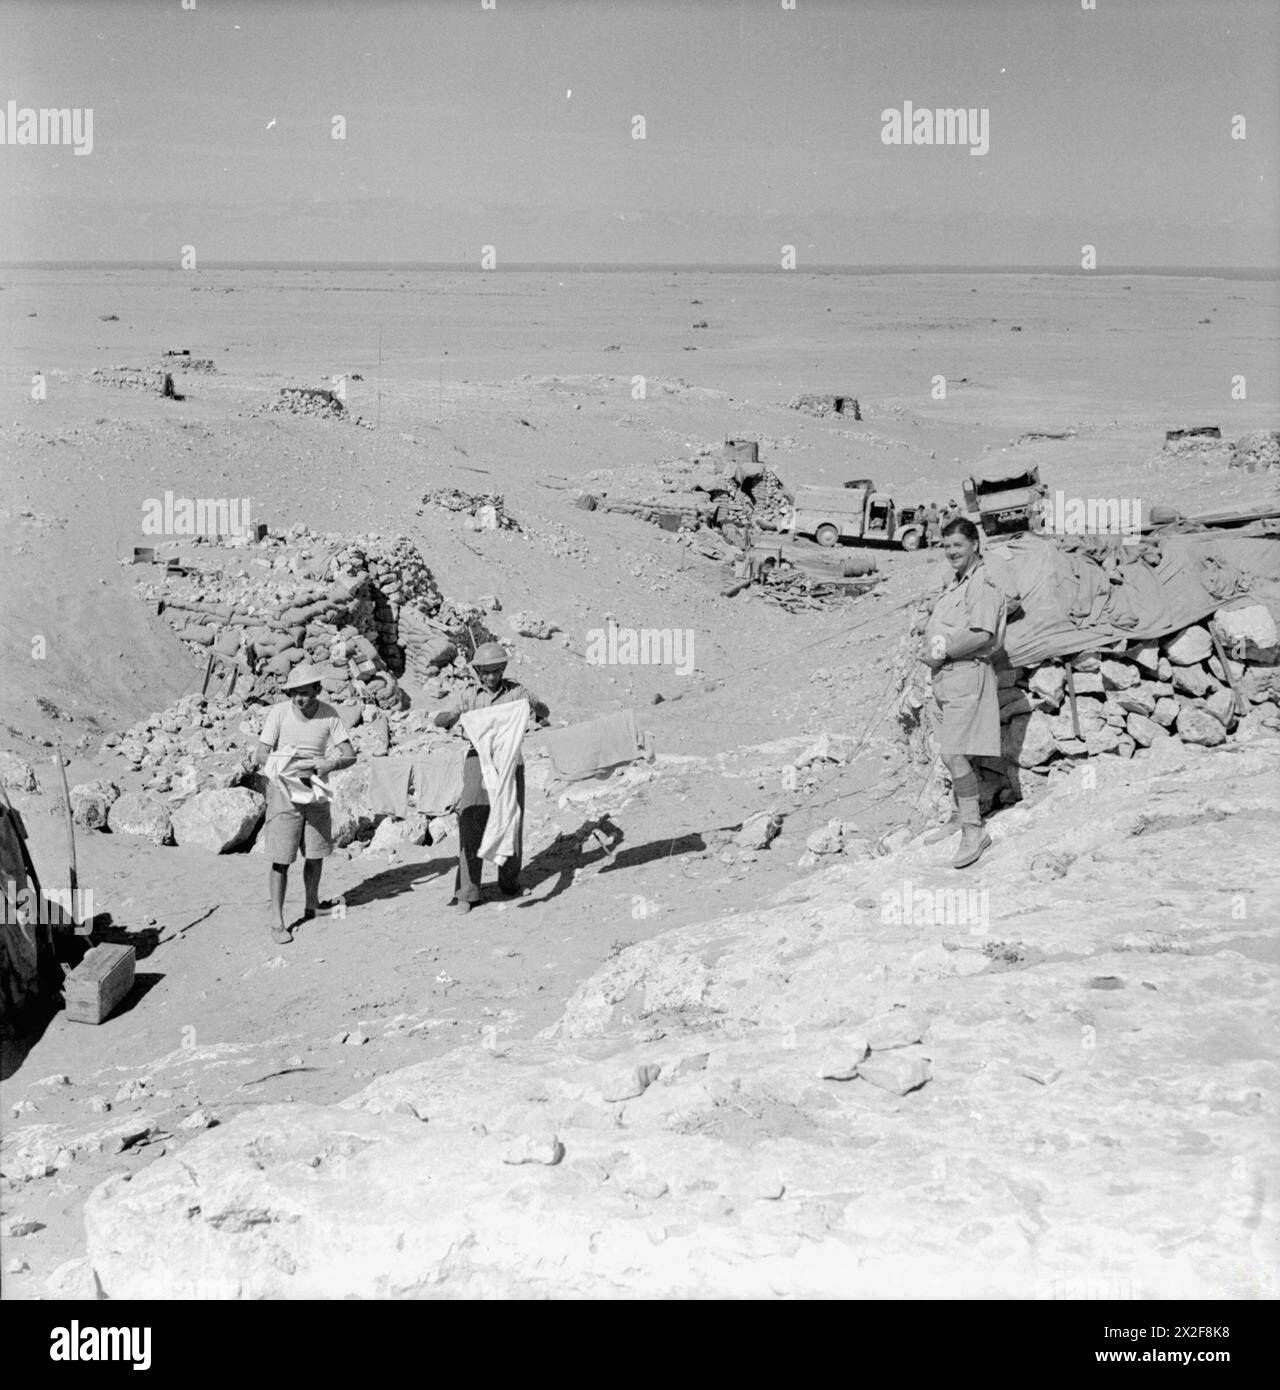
101 981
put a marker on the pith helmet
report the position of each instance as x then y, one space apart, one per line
304 673
490 654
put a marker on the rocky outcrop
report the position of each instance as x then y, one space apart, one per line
894 1081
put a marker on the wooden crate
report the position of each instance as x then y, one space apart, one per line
101 981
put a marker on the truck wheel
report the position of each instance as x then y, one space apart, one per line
911 540
826 535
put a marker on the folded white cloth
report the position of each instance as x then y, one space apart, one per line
301 789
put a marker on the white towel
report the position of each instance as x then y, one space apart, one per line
496 733
301 791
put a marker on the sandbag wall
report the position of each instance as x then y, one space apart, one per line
339 609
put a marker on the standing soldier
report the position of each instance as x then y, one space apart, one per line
489 664
931 523
311 741
964 631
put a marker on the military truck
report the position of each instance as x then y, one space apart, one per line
1006 503
855 514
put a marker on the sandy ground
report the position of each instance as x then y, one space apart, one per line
523 383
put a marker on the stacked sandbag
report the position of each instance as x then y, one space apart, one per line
335 602
399 582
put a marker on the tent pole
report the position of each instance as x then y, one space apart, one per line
1071 694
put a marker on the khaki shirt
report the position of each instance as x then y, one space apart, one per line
974 602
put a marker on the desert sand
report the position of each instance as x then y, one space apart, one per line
523 383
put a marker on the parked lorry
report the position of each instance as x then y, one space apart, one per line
1006 503
854 514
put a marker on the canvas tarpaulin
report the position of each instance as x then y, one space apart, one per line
1070 594
30 978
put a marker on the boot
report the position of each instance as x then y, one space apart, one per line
974 840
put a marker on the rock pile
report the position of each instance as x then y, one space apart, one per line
192 746
182 360
1259 449
136 379
826 405
487 509
1127 699
309 400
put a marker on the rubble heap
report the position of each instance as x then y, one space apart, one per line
826 405
136 379
487 508
334 601
309 400
1257 450
1127 698
182 359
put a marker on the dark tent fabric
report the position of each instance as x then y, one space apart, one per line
1070 594
30 978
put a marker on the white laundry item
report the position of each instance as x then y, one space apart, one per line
496 733
301 791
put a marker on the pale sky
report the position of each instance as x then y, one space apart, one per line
512 127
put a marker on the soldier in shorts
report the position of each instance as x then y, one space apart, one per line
316 739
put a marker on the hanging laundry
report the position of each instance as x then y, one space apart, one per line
437 780
389 780
583 750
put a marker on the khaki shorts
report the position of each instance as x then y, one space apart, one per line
304 827
967 709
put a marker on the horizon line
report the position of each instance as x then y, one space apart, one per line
668 267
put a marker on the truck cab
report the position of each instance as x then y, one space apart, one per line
853 514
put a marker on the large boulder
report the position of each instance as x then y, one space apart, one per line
1222 705
91 803
1146 654
1028 739
1166 712
1196 725
1248 633
1144 731
219 820
393 834
1138 699
17 774
1191 645
137 813
1048 683
351 815
1193 680
759 831
1119 675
